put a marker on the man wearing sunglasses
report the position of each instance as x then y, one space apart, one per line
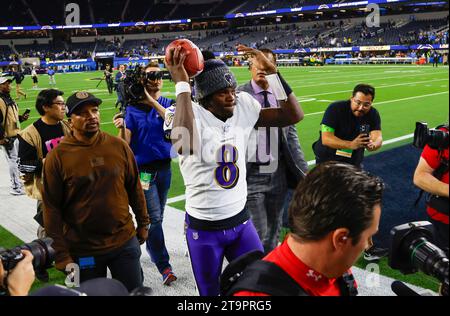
348 127
143 130
37 140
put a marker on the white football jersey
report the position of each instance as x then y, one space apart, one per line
215 177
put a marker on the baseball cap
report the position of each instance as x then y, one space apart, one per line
79 98
5 79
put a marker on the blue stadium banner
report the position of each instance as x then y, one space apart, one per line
9 63
328 6
70 65
90 26
308 50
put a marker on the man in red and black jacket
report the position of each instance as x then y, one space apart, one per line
333 215
431 176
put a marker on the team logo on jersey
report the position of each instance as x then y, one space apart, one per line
226 128
314 276
169 119
195 235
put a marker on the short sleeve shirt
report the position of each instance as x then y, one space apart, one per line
346 126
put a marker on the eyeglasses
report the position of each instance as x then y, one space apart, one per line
362 103
154 75
60 103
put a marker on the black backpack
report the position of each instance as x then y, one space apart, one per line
250 273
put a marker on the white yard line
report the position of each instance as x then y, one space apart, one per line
391 101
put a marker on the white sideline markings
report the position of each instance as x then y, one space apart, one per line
392 101
382 87
305 84
315 113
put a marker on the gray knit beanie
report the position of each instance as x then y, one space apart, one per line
214 77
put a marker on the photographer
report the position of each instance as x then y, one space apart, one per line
120 77
341 135
18 281
432 176
348 128
143 131
9 128
107 75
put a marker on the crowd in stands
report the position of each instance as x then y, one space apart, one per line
335 33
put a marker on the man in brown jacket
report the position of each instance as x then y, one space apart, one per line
89 182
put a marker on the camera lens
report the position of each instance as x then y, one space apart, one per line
42 251
429 258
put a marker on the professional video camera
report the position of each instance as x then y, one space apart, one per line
135 82
43 256
412 249
435 138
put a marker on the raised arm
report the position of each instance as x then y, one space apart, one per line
290 111
424 179
183 124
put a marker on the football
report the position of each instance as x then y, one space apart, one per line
194 60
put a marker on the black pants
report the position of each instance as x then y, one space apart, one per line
441 234
124 264
109 84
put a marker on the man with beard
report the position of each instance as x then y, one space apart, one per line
143 131
89 182
348 128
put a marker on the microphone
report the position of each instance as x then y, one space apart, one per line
401 289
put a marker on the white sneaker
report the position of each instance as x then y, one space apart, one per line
17 192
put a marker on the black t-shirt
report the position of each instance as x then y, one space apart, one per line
51 136
346 125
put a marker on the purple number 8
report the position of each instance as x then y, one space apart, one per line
227 174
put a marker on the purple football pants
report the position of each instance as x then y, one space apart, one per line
208 248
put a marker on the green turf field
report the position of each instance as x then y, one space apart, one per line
404 94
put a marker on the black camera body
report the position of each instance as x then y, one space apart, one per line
135 81
43 256
412 249
435 138
134 84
